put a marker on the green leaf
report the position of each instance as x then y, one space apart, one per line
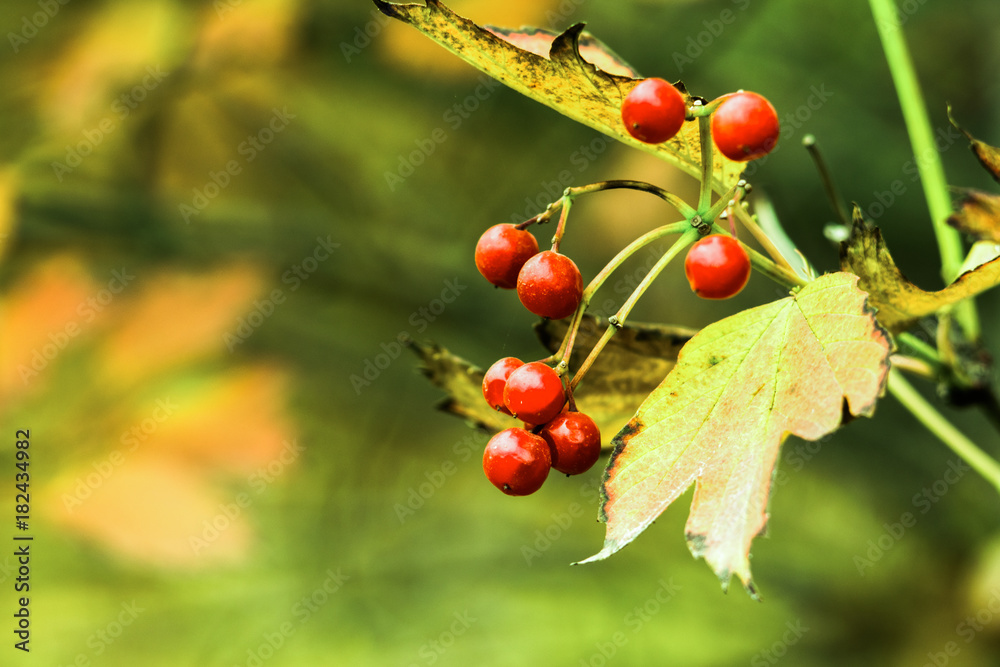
900 303
564 80
739 388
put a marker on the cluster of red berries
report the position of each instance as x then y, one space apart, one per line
744 125
517 460
548 283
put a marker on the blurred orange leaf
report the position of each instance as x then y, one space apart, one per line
41 314
236 422
151 510
176 319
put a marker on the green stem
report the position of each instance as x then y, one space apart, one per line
682 207
776 272
707 160
730 199
751 226
566 348
567 204
937 424
836 202
689 237
918 126
923 350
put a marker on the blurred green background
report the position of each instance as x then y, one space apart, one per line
206 264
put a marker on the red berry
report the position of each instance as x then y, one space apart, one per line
745 126
550 285
534 393
717 267
496 379
517 462
575 441
501 252
653 111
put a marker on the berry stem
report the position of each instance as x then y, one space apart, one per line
569 340
919 348
682 207
707 161
566 205
776 272
836 202
913 366
699 109
730 199
762 238
946 432
689 236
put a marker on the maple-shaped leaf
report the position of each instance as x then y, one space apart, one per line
978 215
563 79
633 363
988 156
740 387
900 303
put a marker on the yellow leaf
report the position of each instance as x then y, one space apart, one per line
899 302
564 81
